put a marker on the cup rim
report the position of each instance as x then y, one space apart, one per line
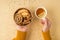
43 9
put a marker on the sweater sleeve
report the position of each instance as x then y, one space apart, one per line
46 35
20 35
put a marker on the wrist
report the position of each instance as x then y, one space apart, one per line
46 28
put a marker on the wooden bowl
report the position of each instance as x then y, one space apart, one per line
22 16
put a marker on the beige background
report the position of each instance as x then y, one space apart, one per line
8 26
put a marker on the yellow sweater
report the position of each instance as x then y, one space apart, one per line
46 35
22 35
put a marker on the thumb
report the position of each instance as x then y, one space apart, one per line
44 21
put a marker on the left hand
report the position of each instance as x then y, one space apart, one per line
22 28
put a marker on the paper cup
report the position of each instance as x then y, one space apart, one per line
40 12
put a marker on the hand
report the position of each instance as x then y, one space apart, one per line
46 23
22 28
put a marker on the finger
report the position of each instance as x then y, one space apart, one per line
43 21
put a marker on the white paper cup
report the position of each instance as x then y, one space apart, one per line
43 10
